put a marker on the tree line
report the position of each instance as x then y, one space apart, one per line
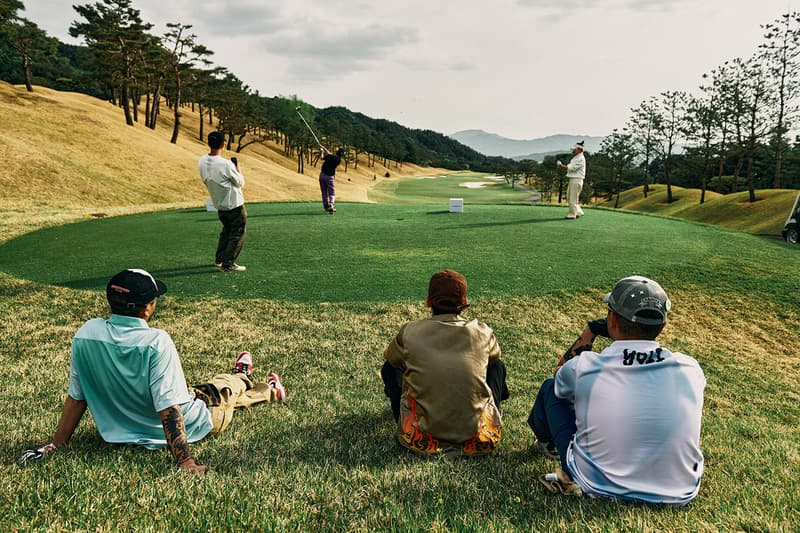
123 62
732 135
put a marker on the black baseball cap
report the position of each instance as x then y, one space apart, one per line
135 286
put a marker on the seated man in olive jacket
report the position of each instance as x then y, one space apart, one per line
444 378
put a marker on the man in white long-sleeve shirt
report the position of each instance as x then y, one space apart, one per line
224 183
576 173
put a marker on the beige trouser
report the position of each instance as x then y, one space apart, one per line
227 392
574 187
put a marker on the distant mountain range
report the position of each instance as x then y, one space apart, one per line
492 144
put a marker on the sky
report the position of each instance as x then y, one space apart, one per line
522 69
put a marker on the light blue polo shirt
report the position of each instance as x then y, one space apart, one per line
127 372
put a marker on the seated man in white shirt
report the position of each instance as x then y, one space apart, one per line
624 422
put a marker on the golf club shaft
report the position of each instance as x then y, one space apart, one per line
309 128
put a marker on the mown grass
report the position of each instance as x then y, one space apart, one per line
380 253
472 187
326 459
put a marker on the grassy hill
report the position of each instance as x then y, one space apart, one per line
69 154
766 216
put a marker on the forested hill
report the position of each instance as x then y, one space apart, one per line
421 147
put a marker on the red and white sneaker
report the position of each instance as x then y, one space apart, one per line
275 382
243 364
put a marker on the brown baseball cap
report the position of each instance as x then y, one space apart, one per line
447 291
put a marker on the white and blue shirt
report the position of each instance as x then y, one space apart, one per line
127 372
638 409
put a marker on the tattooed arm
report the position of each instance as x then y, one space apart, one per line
581 344
594 328
175 432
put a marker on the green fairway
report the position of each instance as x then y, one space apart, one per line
384 253
473 187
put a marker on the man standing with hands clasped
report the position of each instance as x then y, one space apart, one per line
576 173
625 422
224 183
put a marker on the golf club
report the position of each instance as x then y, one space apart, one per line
309 128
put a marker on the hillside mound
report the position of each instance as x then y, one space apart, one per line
72 151
765 216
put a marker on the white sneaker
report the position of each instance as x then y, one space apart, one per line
234 268
243 364
275 382
559 483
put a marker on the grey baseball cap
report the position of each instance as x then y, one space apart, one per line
640 300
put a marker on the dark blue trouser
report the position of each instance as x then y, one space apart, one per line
552 419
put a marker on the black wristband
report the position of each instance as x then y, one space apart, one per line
598 327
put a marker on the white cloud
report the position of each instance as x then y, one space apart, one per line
325 53
239 18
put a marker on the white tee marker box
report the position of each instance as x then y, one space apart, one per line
456 205
210 205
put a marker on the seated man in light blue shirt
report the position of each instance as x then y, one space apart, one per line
130 377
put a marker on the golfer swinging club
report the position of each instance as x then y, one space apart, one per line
326 177
329 164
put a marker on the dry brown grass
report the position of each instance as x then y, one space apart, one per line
69 151
765 216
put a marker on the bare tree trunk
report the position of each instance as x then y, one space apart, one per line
776 183
156 108
750 182
147 108
135 98
737 171
202 122
26 68
177 124
125 100
668 176
300 166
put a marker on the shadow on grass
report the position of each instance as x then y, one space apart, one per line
94 283
351 441
507 223
314 213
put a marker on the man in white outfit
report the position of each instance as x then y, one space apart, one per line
576 173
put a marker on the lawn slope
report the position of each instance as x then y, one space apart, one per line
765 216
67 153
